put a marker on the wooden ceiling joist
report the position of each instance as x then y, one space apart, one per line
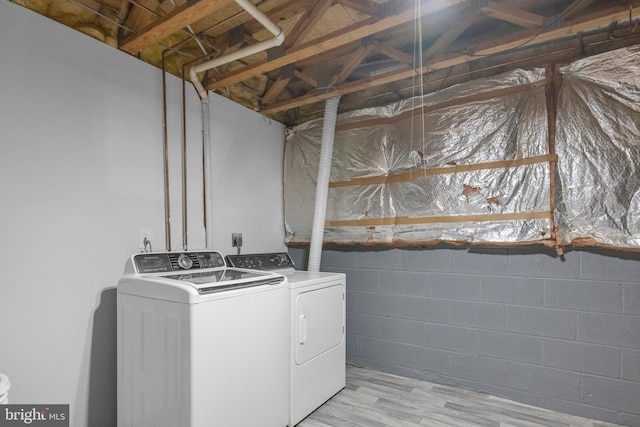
334 40
526 38
140 14
513 15
450 35
356 59
170 23
306 23
393 53
576 7
276 88
363 6
306 78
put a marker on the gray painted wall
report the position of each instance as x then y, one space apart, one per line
559 333
80 173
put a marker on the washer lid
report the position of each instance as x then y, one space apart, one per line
226 279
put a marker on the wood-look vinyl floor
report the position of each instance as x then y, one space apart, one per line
376 399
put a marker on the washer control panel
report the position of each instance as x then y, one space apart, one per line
272 261
177 261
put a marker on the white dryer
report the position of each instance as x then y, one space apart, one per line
200 344
318 346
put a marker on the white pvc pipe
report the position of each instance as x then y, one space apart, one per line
322 184
277 40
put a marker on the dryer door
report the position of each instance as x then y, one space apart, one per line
319 322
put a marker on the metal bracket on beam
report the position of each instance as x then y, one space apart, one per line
275 52
287 72
236 35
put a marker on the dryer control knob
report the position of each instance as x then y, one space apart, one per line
185 262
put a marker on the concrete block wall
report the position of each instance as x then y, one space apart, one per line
559 333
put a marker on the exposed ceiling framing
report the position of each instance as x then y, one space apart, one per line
371 52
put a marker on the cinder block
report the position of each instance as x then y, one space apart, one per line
609 329
404 355
516 347
436 260
403 283
453 338
631 298
424 309
583 358
402 331
524 263
545 381
481 369
388 259
478 315
586 411
378 350
625 419
583 295
630 366
364 325
609 393
363 280
543 322
482 261
512 290
610 266
351 301
333 258
453 286
378 304
299 257
352 345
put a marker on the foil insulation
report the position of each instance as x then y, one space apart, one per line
384 189
443 130
598 143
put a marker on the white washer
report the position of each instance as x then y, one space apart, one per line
318 347
200 344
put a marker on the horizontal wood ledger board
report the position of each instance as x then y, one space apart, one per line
405 220
416 174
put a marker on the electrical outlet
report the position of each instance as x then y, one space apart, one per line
236 240
143 234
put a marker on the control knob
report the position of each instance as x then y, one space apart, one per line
185 262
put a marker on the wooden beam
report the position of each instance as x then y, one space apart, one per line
141 15
575 7
393 53
356 59
449 36
334 40
364 6
526 38
306 23
276 88
513 15
306 78
170 23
